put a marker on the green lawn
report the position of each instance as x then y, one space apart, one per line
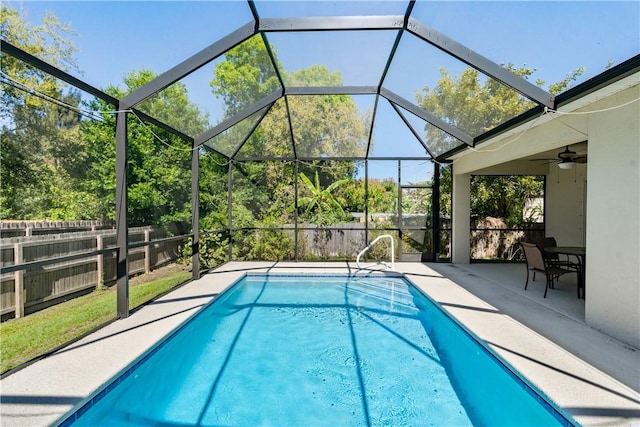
28 337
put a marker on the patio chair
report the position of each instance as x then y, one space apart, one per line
536 262
545 242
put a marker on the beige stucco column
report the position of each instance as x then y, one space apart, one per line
613 218
461 209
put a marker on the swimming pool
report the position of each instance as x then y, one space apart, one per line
318 350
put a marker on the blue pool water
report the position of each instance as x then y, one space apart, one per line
318 350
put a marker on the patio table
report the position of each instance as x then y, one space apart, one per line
579 252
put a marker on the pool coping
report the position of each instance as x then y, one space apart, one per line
45 391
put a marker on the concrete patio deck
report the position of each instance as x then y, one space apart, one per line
591 376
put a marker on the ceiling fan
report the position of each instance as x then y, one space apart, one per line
567 159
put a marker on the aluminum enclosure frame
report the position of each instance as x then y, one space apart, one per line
398 23
264 26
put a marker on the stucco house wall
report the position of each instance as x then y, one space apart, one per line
566 199
613 218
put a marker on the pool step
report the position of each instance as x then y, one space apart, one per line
398 295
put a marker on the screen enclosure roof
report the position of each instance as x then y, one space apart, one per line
356 79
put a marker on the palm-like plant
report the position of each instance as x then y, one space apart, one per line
321 206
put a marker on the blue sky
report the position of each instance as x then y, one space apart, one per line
116 37
549 36
554 37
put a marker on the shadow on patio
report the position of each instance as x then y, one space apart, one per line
560 317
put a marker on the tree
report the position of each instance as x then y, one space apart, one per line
322 125
320 206
159 163
382 196
476 107
35 129
326 125
245 76
504 197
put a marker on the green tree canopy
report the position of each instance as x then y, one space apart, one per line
159 163
323 126
246 75
319 205
477 106
504 197
35 129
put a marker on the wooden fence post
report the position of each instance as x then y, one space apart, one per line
147 253
18 278
100 260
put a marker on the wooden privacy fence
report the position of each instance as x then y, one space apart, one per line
17 228
41 286
346 239
342 239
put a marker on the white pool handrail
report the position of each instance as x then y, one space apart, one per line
393 255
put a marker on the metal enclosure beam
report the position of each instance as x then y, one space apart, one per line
413 131
27 58
237 118
443 158
253 128
479 62
147 118
331 90
188 66
435 121
396 43
195 212
122 226
293 137
536 111
230 210
372 125
366 203
332 23
400 220
23 56
435 212
295 203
